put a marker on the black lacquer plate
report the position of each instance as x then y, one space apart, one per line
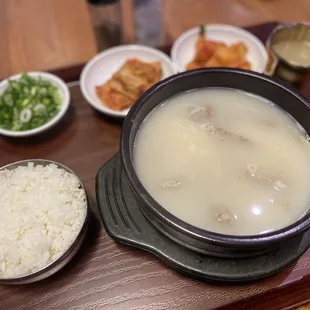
125 223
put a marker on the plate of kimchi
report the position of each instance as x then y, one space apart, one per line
113 80
210 46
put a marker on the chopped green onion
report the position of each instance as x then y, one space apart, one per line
25 102
8 100
40 108
25 115
202 30
28 103
33 91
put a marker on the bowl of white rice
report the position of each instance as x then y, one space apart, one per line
43 221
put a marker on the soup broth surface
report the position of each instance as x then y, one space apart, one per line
225 161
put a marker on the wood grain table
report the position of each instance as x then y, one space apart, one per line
236 12
107 275
44 35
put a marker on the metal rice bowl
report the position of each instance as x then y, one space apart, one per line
60 262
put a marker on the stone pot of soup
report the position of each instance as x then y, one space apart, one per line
218 160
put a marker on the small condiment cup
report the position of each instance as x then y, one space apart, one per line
279 66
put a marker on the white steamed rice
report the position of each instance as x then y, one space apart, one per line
42 210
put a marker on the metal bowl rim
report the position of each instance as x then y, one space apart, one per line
283 60
51 265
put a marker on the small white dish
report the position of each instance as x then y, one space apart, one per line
64 92
183 49
99 69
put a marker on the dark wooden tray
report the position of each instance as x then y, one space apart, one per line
107 275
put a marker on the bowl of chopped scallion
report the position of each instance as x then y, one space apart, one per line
31 103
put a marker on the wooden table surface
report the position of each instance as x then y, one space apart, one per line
44 35
236 12
107 275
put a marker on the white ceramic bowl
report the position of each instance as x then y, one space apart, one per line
183 49
99 69
64 92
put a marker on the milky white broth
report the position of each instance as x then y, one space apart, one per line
225 161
